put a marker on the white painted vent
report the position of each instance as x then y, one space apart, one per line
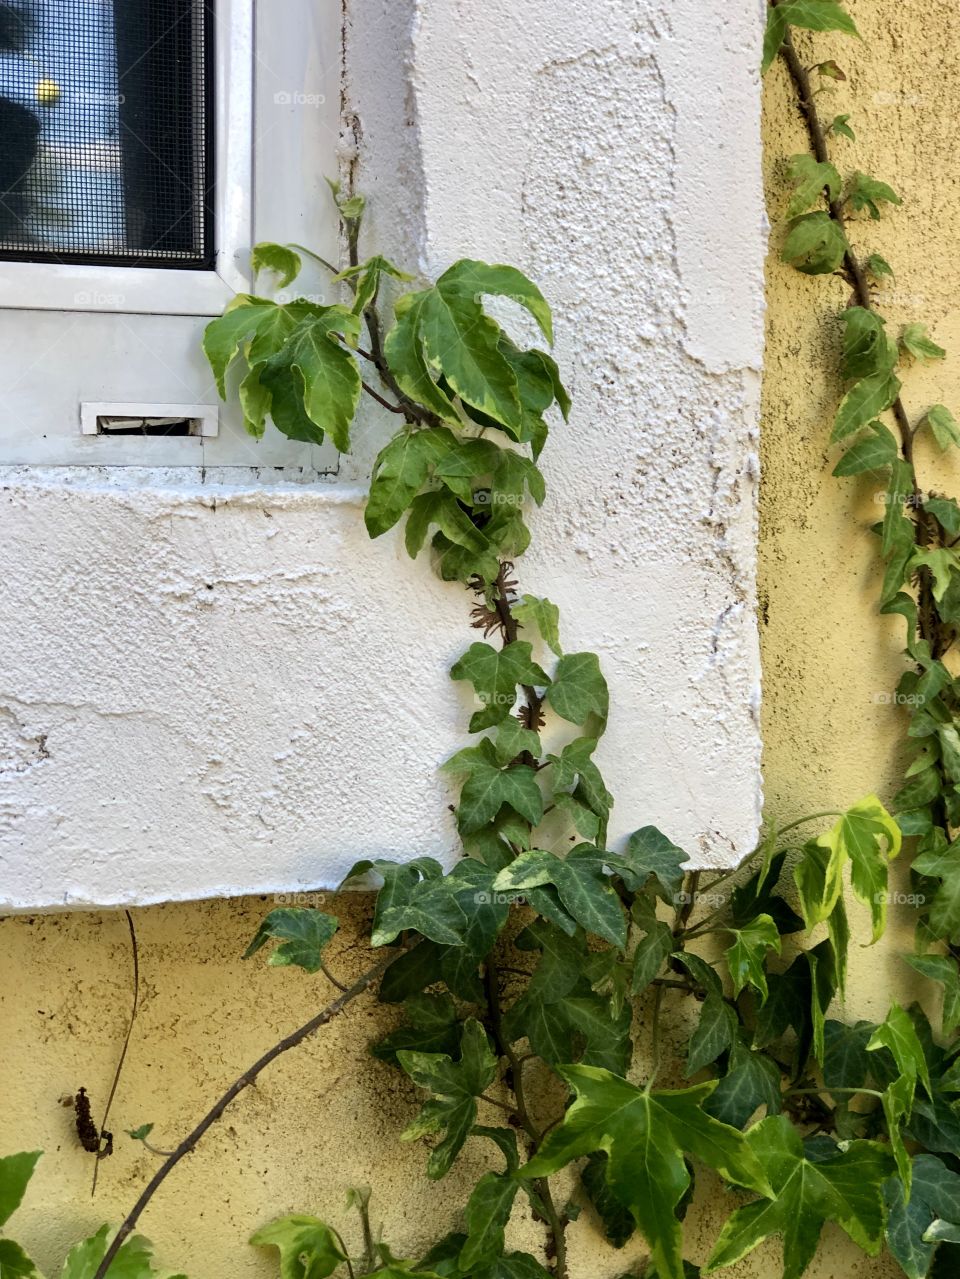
150 421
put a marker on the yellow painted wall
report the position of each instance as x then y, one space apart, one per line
327 1116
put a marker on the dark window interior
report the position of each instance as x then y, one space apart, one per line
106 121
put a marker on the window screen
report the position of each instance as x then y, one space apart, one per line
106 131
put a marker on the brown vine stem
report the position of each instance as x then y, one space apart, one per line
556 1222
135 960
213 1114
927 612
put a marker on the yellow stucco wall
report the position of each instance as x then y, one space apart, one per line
327 1116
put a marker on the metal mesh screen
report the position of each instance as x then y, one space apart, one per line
106 131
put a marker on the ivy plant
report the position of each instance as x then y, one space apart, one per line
546 953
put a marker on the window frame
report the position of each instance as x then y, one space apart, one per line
145 290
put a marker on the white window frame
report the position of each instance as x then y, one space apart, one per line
45 286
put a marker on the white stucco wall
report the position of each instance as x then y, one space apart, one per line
212 691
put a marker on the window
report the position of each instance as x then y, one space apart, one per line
106 117
145 146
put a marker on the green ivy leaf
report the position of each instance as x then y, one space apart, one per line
946 971
305 934
650 855
579 689
14 1262
133 1261
752 1080
489 787
942 563
897 1033
278 258
15 1174
878 267
935 1192
867 350
653 948
846 1189
819 15
839 127
867 193
416 897
399 473
845 1062
811 179
946 512
486 1215
863 402
921 346
543 616
815 244
223 337
617 1221
715 1033
874 453
945 427
368 276
581 884
455 1086
774 36
745 958
327 371
308 1247
495 675
403 349
646 1135
943 915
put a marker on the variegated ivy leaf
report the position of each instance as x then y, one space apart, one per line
15 1264
281 259
442 509
405 355
867 838
455 1086
308 1248
845 1189
898 1034
305 934
946 429
646 1136
920 345
314 359
366 278
579 879
133 1260
223 337
399 473
747 955
416 896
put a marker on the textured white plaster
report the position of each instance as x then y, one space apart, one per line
209 691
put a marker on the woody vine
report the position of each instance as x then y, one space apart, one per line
545 962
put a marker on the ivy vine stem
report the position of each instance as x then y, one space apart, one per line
189 1142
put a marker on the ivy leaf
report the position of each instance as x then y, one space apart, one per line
416 897
846 1189
222 338
15 1174
304 932
774 36
581 884
645 1135
715 1033
368 276
863 402
495 675
617 1221
649 854
867 193
486 1215
575 766
542 615
840 128
869 839
14 1262
308 1247
399 473
819 15
946 429
745 958
455 1087
403 349
579 688
947 972
815 244
752 1080
653 948
898 1034
867 349
811 179
326 371
443 509
488 788
845 1061
921 346
278 258
877 451
942 563
131 1262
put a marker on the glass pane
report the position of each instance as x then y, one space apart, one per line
105 127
